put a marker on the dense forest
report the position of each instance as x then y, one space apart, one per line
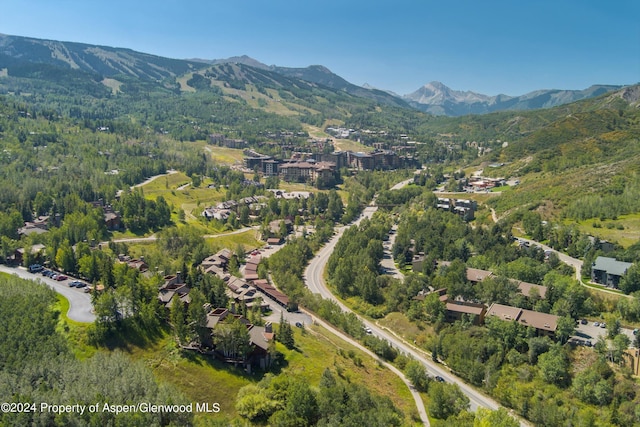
38 367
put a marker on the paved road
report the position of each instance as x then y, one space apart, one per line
573 262
315 282
416 395
80 307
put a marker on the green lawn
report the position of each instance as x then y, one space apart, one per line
224 155
75 332
231 241
191 200
349 145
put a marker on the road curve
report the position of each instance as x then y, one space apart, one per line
80 307
316 284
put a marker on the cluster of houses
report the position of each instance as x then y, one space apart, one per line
223 141
249 291
466 209
135 263
222 210
480 183
41 224
456 309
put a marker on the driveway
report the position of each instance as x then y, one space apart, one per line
387 258
80 307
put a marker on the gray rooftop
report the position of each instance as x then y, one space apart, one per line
611 265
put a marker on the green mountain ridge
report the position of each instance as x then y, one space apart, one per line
103 60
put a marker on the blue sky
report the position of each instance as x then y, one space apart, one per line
491 47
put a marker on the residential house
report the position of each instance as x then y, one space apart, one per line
273 293
462 207
39 225
417 262
455 310
608 271
543 323
530 289
36 251
475 276
274 226
259 339
172 290
251 268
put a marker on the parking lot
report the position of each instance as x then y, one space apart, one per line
80 307
590 332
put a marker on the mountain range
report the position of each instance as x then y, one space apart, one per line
438 99
20 54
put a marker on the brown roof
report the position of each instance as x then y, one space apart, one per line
259 337
504 312
543 321
477 275
525 288
254 260
272 292
463 308
535 319
216 316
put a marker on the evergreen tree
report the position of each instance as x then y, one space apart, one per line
285 333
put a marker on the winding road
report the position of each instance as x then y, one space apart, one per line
315 282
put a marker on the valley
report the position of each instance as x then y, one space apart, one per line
269 238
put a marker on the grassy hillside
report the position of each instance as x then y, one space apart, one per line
203 379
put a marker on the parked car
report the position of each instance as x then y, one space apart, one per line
368 330
34 268
53 276
61 277
584 321
596 324
439 379
635 331
603 325
298 324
